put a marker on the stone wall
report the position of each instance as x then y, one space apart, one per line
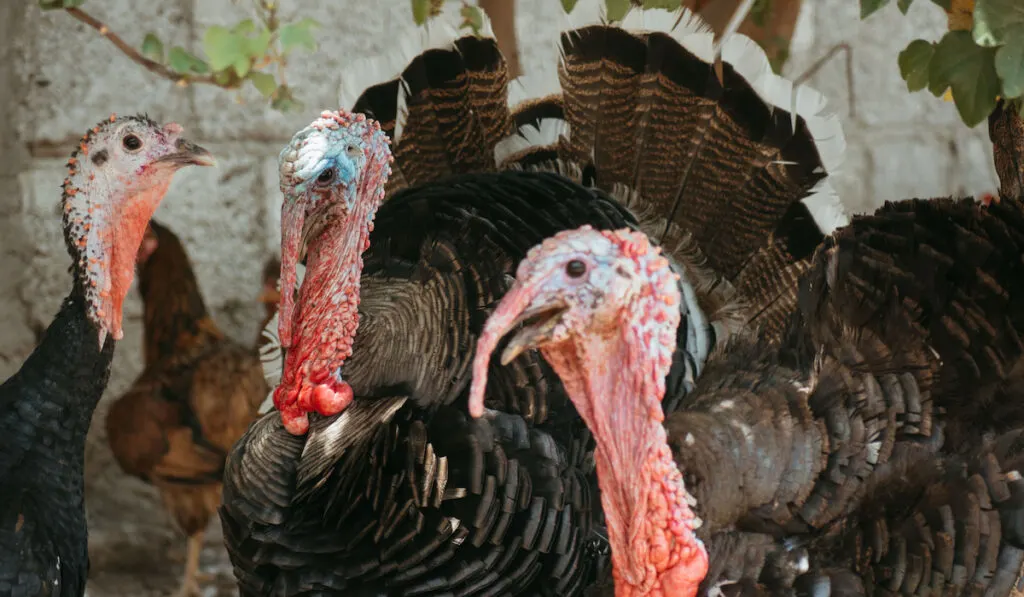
57 78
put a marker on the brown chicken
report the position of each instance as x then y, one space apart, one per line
196 396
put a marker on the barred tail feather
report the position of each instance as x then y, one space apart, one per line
446 109
734 164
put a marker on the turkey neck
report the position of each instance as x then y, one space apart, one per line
650 524
55 394
327 313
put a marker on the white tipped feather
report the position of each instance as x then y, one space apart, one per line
683 25
750 62
537 85
737 18
268 403
531 136
445 39
367 72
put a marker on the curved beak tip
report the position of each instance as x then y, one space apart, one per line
202 157
188 153
511 352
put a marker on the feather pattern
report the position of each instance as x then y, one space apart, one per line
370 498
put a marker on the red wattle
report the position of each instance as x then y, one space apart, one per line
329 402
295 421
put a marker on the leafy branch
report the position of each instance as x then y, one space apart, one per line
472 15
242 53
977 62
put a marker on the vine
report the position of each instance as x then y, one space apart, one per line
979 60
245 52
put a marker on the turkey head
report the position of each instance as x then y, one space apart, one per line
116 179
332 175
604 307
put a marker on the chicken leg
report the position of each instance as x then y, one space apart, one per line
190 580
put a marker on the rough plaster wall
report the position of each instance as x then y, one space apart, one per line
899 145
60 77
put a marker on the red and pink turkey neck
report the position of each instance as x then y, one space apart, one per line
614 372
331 225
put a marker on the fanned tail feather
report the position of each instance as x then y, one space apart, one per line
638 110
446 109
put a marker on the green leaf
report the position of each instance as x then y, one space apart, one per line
420 11
567 5
913 61
256 47
904 5
182 62
153 48
242 66
945 5
970 71
263 83
298 35
616 9
1010 67
868 7
223 47
59 4
244 27
472 17
996 22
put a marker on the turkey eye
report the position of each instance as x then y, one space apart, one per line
326 176
352 150
575 268
131 143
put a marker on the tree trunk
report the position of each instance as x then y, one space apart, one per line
1006 130
774 35
502 14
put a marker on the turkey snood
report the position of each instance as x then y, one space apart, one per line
332 176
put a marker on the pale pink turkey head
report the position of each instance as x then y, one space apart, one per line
332 175
603 307
579 291
116 179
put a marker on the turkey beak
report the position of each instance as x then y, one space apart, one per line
188 153
515 308
538 327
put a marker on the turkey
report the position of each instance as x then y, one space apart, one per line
373 479
909 320
954 526
116 178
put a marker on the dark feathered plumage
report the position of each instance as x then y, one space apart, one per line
45 411
403 494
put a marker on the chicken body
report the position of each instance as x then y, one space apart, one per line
196 396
